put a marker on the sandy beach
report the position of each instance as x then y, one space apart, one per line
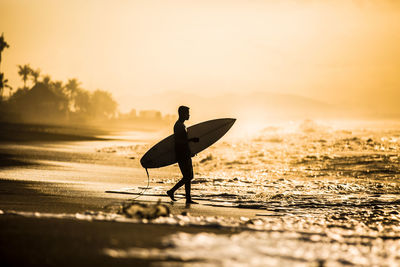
47 187
30 236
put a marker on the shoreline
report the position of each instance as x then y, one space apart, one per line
35 132
19 132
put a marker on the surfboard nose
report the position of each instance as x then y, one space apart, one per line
231 121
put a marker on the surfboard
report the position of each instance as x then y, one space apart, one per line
163 153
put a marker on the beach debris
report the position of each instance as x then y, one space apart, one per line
209 157
145 211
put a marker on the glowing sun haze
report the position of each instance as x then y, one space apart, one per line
338 52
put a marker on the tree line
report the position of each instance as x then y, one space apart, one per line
80 102
44 100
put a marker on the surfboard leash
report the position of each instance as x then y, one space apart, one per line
147 187
140 194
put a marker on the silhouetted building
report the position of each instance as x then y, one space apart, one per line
132 114
41 104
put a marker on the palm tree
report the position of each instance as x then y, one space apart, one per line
82 101
46 80
3 81
35 75
24 71
4 84
3 45
72 86
58 87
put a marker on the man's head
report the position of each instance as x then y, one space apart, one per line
183 112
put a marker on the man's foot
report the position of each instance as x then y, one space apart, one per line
191 202
171 195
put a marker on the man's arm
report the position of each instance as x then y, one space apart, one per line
181 135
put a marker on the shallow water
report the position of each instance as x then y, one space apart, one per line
326 194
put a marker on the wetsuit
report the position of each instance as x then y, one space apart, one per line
183 155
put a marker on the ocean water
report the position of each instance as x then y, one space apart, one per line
304 166
325 194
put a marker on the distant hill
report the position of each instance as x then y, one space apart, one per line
252 104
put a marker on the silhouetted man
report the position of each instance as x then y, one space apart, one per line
183 154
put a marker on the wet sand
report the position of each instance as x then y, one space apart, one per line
28 237
26 241
46 187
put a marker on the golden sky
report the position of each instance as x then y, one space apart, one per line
339 52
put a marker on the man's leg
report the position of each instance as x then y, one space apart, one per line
171 192
189 174
187 192
187 171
